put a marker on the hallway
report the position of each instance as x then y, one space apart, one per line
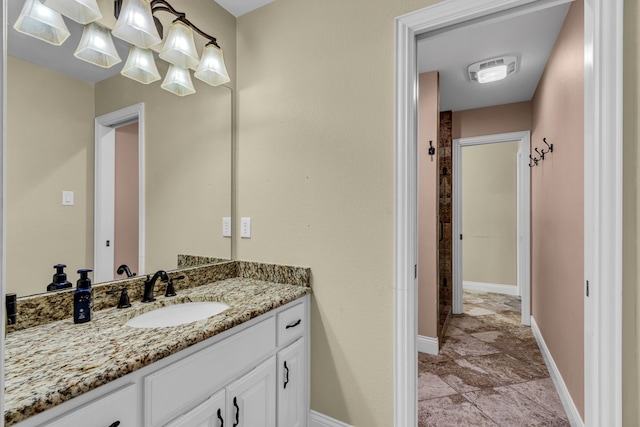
489 372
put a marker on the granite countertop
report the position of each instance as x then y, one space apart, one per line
48 364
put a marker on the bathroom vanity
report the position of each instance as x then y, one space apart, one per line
247 366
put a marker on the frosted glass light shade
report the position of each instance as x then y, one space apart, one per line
41 22
135 24
492 74
81 11
212 69
179 48
96 46
178 81
141 66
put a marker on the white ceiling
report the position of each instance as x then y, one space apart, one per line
240 7
530 37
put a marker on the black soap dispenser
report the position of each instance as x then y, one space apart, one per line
59 279
82 302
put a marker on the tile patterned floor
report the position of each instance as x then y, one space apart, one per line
489 372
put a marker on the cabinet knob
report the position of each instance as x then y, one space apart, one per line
220 418
116 424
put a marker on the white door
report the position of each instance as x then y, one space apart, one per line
291 370
251 400
210 413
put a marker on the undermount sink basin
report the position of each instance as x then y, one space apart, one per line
178 314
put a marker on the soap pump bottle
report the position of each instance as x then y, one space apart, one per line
82 302
59 279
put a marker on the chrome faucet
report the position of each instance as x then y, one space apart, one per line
150 283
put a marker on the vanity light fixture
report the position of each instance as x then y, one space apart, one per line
96 46
137 24
141 66
178 81
179 48
41 22
492 70
81 11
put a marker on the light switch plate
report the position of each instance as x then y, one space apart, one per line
67 198
245 228
226 226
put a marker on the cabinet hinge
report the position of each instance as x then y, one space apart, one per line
415 271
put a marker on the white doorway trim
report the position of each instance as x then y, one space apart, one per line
104 179
523 215
603 199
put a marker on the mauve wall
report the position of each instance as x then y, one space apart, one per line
428 124
491 120
557 186
125 245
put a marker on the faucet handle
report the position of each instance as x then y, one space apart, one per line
124 297
171 292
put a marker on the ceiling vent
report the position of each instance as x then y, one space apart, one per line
494 69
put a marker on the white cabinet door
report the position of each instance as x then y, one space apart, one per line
210 413
291 385
251 400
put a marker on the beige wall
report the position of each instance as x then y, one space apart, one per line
631 236
126 218
557 186
489 213
315 171
491 120
428 229
49 149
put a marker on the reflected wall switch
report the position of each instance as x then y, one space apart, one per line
226 226
245 228
67 198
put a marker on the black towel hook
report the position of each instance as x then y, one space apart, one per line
432 149
540 153
535 161
549 147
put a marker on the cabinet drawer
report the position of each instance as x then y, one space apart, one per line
120 405
176 387
291 324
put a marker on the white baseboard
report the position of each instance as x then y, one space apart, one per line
428 345
317 419
496 288
570 408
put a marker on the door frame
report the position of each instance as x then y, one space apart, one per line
105 127
603 198
523 214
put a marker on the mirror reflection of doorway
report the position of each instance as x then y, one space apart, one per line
119 193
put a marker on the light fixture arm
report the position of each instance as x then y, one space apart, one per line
163 5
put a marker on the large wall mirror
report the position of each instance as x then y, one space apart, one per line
53 100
